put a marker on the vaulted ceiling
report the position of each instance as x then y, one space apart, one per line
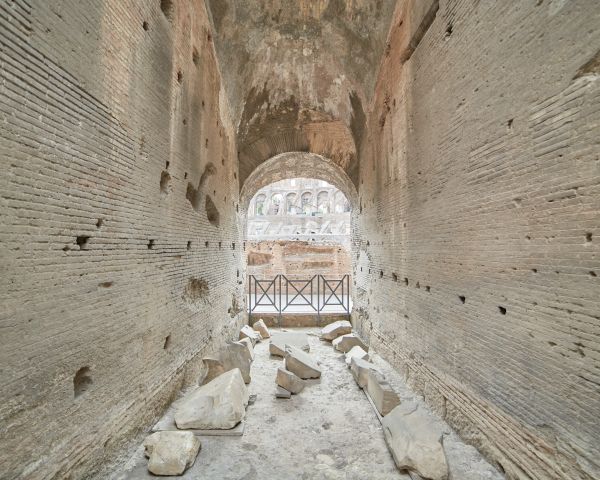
299 73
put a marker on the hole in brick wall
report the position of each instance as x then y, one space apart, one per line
167 343
220 243
203 104
185 174
99 223
592 273
82 241
196 290
449 30
427 288
206 244
395 277
368 243
184 121
534 270
206 143
211 212
165 182
233 245
588 237
179 76
81 381
167 163
195 57
380 273
105 284
235 175
462 298
502 310
150 244
209 37
552 344
145 26
167 8
527 237
189 245
406 281
509 124
418 285
238 273
222 161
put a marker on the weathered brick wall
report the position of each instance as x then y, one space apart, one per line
120 245
478 243
297 259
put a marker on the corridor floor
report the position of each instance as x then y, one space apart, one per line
328 431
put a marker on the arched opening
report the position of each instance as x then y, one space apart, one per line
298 245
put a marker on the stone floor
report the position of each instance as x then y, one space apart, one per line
328 431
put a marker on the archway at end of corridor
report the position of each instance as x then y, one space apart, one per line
297 211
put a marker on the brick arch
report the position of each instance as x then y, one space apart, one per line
297 165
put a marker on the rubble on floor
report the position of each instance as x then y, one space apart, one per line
301 363
219 404
333 330
248 332
381 392
261 328
415 441
171 453
282 393
280 339
360 369
290 381
345 342
356 352
233 355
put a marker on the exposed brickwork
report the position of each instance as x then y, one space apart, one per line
297 259
108 109
477 253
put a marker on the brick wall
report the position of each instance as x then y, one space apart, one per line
120 245
478 241
297 259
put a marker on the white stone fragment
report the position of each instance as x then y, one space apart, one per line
346 342
246 341
220 404
233 355
360 371
381 392
282 393
280 339
336 329
356 352
301 363
248 332
290 381
171 452
415 441
261 328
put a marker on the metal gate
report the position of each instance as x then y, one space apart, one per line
282 294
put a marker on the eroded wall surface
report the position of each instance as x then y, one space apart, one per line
120 244
478 261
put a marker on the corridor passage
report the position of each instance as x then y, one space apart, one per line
328 431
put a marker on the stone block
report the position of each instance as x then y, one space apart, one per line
233 355
248 332
333 330
360 371
301 363
290 381
280 339
171 453
246 341
220 404
382 393
346 342
356 352
282 393
261 328
415 441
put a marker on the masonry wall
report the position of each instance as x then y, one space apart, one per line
478 242
120 246
297 259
